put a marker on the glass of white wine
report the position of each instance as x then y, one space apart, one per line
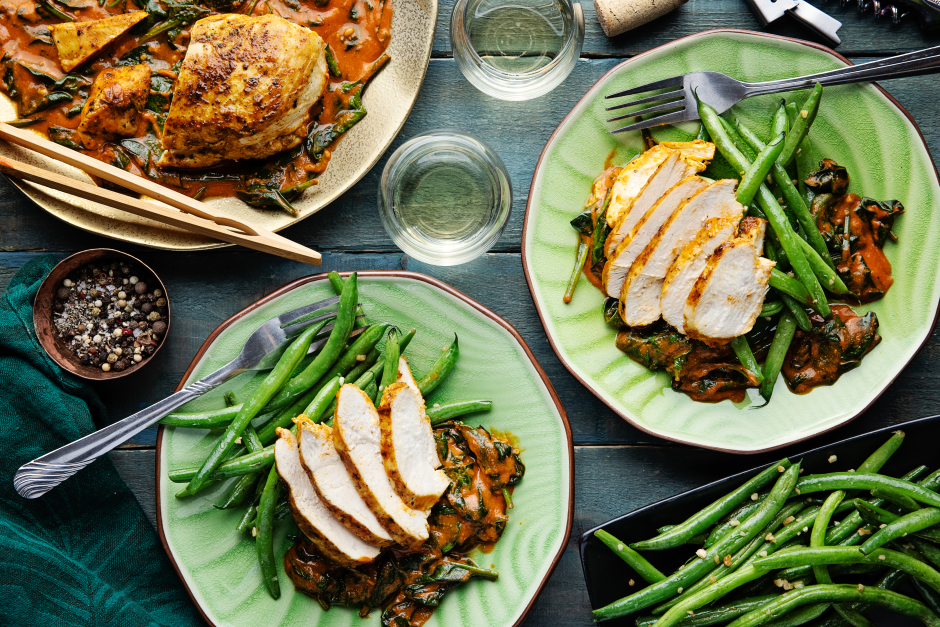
516 49
444 197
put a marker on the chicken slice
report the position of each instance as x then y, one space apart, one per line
77 42
408 448
357 437
729 294
312 516
638 171
671 171
687 267
753 229
405 376
113 108
640 296
334 485
244 90
619 264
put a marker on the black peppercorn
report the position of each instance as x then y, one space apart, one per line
141 287
148 349
58 307
146 308
119 366
159 327
62 293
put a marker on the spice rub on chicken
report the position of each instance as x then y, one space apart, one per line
244 90
687 272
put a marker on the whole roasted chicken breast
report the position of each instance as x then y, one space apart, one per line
244 90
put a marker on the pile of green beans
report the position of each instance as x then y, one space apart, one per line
784 537
245 451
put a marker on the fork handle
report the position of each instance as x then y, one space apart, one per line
925 61
37 477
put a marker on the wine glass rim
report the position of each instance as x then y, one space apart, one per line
559 57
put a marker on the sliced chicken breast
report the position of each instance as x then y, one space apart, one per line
335 486
688 266
671 171
312 516
357 437
405 376
634 176
408 448
640 296
753 229
729 294
620 263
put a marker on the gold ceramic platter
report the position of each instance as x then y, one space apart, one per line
388 100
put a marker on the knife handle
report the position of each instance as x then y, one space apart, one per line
819 22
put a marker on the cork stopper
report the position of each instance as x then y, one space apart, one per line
619 16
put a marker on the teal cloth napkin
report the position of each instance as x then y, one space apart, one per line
83 554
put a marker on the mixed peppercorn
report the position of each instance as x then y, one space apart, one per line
110 315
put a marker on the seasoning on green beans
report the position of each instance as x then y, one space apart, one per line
701 566
264 539
258 399
839 593
788 285
718 615
439 371
331 351
708 516
361 346
910 523
235 467
866 481
636 561
446 411
733 519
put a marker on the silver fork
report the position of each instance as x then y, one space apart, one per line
722 92
260 352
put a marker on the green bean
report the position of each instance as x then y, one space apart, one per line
746 356
929 551
840 593
259 397
264 540
439 371
372 391
720 588
754 176
580 258
390 371
247 520
826 274
716 615
866 481
722 528
818 536
365 364
932 481
804 165
910 523
800 210
446 411
931 598
872 514
799 314
902 501
601 231
699 567
243 488
852 522
250 439
801 126
708 516
337 282
800 616
202 419
771 308
636 561
362 345
786 328
230 400
788 285
330 353
851 555
769 205
285 417
233 468
322 401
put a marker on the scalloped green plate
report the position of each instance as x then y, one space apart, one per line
219 567
860 126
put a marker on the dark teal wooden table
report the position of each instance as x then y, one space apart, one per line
618 468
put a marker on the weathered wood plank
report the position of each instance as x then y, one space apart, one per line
517 131
860 34
207 288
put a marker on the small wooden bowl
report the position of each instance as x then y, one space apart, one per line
46 331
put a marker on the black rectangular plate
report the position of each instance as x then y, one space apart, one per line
607 576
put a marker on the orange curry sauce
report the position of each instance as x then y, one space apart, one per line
357 31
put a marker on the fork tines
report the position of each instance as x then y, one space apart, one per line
672 110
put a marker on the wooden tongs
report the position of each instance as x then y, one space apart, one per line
193 215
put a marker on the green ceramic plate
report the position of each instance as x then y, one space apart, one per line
859 126
219 567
